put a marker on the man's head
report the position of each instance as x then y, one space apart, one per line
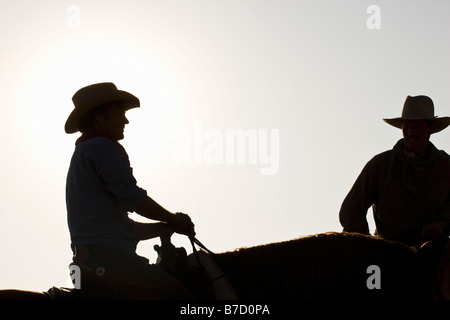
101 106
108 119
416 134
418 122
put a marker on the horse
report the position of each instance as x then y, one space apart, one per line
333 265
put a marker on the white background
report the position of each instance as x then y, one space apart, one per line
311 69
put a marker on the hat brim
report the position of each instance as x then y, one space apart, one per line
439 124
127 100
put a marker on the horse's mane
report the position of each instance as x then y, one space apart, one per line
322 265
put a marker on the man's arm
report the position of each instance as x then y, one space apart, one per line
147 231
152 210
435 229
440 226
179 221
352 215
113 167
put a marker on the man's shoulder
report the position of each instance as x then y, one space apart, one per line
382 156
100 146
99 143
443 154
442 157
96 141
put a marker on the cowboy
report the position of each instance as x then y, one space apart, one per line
407 187
100 192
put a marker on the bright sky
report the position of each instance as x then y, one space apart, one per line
308 79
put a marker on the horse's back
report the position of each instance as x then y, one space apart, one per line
14 294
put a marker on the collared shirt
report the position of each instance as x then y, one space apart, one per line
405 194
100 191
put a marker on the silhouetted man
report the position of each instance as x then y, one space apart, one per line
408 187
101 191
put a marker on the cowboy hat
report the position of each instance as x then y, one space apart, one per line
419 108
95 95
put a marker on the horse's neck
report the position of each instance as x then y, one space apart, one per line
251 271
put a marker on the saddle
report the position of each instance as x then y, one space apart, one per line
197 271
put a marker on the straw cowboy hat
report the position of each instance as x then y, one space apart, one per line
419 108
92 96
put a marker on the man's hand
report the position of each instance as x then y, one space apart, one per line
433 230
182 224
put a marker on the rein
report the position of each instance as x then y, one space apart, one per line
195 241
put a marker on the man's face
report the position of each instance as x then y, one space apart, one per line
416 134
113 123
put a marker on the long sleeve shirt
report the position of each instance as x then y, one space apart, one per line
100 192
405 194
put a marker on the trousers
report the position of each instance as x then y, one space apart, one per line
110 273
